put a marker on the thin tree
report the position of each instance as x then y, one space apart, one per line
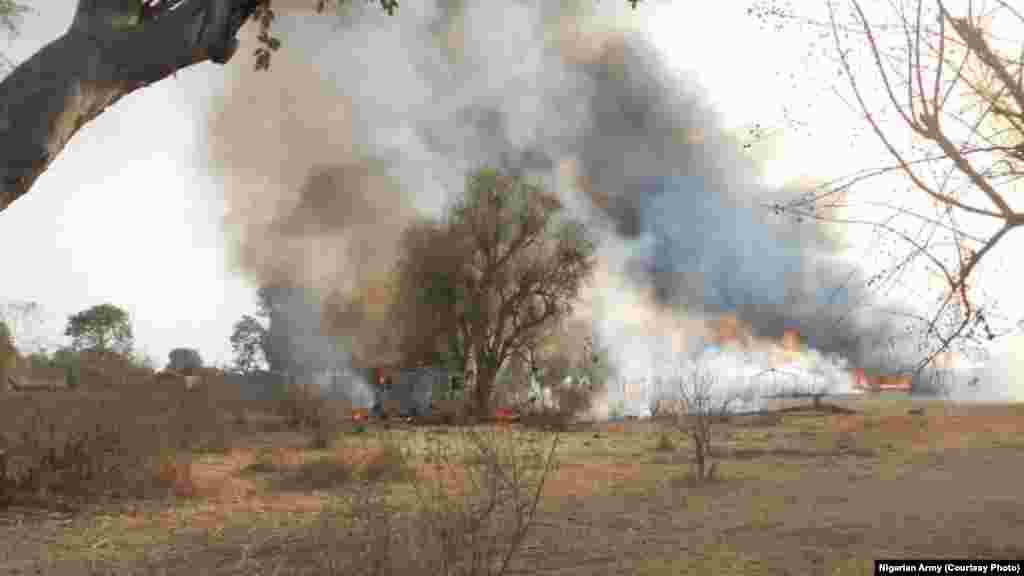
492 279
248 338
8 354
707 403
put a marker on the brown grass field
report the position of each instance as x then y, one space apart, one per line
801 493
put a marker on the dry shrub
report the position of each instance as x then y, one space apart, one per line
573 400
468 519
300 406
84 443
473 519
305 408
326 424
356 537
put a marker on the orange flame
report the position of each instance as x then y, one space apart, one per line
791 340
879 382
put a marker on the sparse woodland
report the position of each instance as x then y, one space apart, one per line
137 468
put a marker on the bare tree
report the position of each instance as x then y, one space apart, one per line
706 403
952 89
25 318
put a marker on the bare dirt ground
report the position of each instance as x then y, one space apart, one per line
800 494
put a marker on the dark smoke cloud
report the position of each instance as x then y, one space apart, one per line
366 121
654 158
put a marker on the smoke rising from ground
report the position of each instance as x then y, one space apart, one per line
366 121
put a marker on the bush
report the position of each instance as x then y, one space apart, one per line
573 400
83 445
468 519
300 406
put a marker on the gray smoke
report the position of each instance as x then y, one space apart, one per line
301 348
366 121
709 243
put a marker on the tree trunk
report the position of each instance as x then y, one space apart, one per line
484 391
699 455
100 59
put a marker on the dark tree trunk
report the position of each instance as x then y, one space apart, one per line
699 454
484 391
47 99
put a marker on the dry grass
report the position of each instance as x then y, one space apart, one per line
323 473
389 463
817 494
665 443
126 439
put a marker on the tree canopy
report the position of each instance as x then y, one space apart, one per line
491 279
248 344
104 328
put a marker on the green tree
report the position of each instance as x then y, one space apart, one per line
8 352
104 328
113 48
248 338
64 357
491 280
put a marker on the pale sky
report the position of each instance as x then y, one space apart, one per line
129 213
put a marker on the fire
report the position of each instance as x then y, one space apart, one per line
791 340
880 382
728 329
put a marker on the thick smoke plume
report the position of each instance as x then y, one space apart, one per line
365 122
